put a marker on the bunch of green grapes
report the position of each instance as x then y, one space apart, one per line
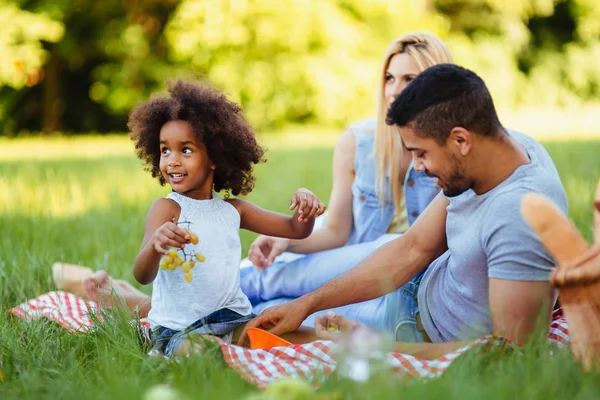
172 260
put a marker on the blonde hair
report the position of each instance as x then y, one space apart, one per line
426 50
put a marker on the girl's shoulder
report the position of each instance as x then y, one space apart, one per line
165 203
164 208
239 205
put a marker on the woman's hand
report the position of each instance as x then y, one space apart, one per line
309 206
265 249
169 235
332 325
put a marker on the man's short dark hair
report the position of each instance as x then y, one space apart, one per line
443 97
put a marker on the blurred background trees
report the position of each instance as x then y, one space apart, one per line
81 65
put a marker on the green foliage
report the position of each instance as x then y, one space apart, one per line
81 65
21 36
305 61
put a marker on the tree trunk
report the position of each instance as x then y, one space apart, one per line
53 104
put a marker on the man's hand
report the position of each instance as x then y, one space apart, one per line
332 325
279 319
265 249
309 206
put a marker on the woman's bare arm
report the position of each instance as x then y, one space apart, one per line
337 230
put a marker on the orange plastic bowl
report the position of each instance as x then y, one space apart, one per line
261 339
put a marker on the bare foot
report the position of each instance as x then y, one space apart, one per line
102 289
68 277
187 347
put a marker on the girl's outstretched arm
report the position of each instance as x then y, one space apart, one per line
160 234
338 227
298 226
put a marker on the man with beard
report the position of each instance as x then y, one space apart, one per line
488 272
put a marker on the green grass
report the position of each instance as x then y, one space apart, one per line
85 201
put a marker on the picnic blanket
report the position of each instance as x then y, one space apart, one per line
314 361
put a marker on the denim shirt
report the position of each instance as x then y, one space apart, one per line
372 217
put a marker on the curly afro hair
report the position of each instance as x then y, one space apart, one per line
217 122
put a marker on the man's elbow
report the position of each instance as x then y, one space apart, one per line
521 332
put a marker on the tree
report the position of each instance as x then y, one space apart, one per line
305 61
112 54
23 53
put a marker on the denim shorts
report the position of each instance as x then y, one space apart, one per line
401 312
219 323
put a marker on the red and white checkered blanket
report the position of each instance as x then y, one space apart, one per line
313 361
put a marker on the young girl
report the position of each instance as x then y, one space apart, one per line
198 142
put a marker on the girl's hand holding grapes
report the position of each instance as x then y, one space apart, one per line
169 235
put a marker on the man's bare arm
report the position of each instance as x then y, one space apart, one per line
519 307
429 351
389 267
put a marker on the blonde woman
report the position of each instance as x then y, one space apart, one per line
376 195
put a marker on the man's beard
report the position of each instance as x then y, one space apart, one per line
456 183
